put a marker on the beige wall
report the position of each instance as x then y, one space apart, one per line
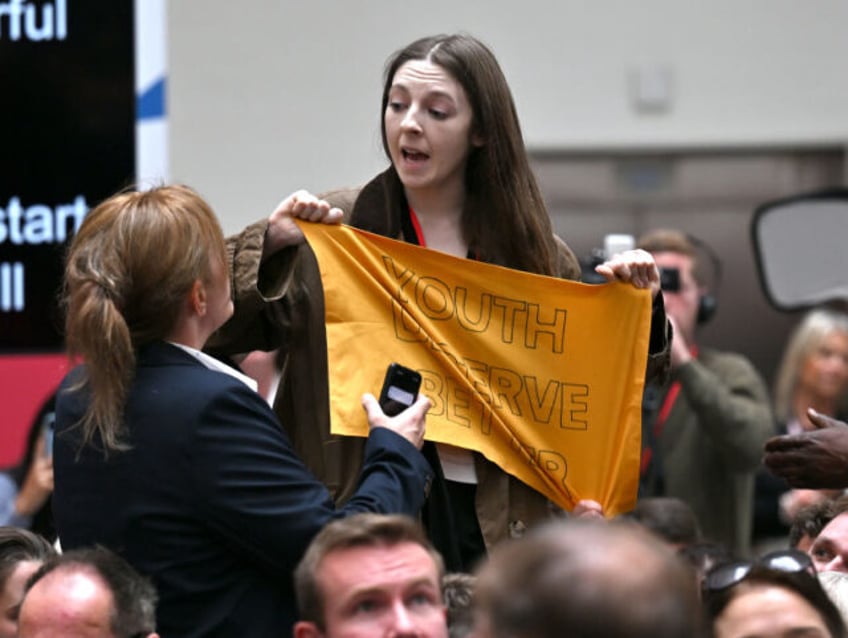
269 96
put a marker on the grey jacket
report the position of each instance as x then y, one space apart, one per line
712 442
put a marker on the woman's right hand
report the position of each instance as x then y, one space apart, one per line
636 267
282 230
409 424
587 508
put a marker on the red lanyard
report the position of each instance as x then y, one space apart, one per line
668 401
665 409
416 226
411 226
662 417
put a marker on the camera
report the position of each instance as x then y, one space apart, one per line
614 243
670 279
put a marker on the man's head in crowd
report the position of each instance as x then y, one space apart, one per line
586 578
829 550
775 597
88 593
810 520
458 592
21 554
675 251
370 575
671 519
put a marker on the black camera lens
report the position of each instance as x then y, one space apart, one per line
670 279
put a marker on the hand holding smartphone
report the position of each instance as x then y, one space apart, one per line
400 389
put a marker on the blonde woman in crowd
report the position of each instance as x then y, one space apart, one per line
813 374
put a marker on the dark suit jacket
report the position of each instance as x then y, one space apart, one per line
211 500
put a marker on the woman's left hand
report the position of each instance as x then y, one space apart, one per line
634 266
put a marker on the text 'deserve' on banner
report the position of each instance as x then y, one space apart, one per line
542 376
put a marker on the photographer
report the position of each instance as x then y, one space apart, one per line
703 433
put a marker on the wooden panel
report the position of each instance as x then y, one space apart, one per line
709 195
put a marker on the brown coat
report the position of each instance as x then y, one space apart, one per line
294 322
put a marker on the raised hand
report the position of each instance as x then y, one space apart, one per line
409 424
634 266
283 231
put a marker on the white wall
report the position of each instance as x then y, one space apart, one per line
268 96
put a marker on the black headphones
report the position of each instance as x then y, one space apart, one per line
707 304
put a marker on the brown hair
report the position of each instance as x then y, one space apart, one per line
128 270
458 592
812 519
667 240
577 577
505 219
18 545
359 530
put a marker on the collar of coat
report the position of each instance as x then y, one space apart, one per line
380 204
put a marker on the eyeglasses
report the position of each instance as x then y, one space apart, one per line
785 560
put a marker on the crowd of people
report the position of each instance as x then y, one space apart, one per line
187 503
372 574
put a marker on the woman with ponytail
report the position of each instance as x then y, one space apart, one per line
168 456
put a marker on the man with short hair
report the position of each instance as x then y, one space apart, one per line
88 593
370 575
458 592
587 578
829 548
671 519
704 433
809 521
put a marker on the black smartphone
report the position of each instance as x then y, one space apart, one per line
400 388
47 426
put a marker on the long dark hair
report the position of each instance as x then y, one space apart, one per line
505 220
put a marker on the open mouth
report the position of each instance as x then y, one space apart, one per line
413 155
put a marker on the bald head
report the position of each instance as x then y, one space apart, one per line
586 578
72 600
88 593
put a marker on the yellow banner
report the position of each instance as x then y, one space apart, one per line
542 376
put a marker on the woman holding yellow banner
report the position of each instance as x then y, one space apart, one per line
460 183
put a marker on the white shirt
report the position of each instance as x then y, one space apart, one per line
457 463
213 364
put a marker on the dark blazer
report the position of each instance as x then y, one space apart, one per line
211 501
